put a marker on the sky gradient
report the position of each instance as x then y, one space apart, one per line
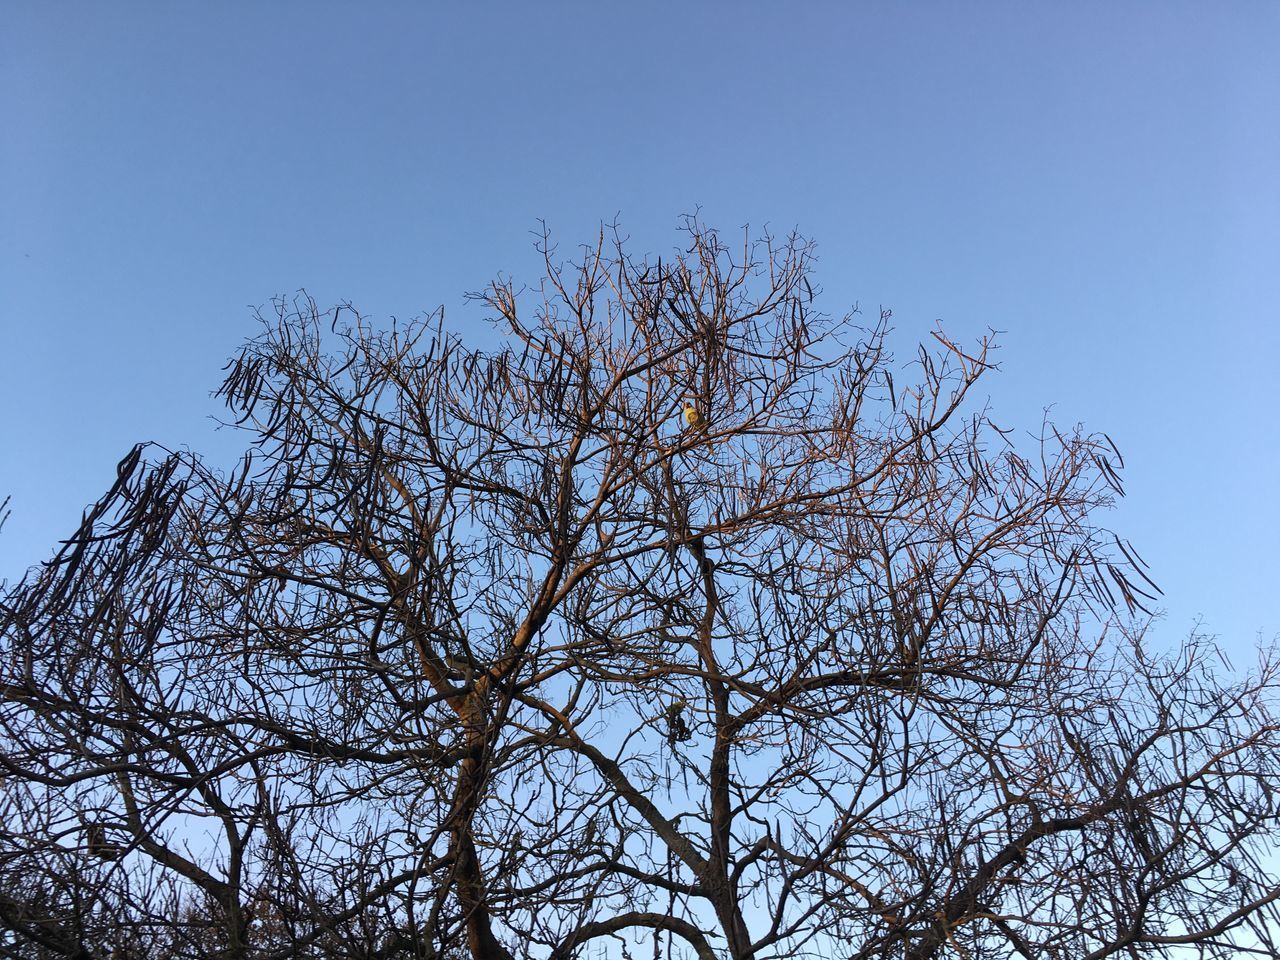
1097 181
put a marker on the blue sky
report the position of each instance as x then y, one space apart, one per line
1098 181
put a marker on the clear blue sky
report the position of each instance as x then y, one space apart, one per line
1100 181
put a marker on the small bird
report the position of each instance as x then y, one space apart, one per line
693 416
100 846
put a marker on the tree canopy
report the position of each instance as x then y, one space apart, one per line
686 621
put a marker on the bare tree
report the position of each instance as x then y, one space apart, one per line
685 620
